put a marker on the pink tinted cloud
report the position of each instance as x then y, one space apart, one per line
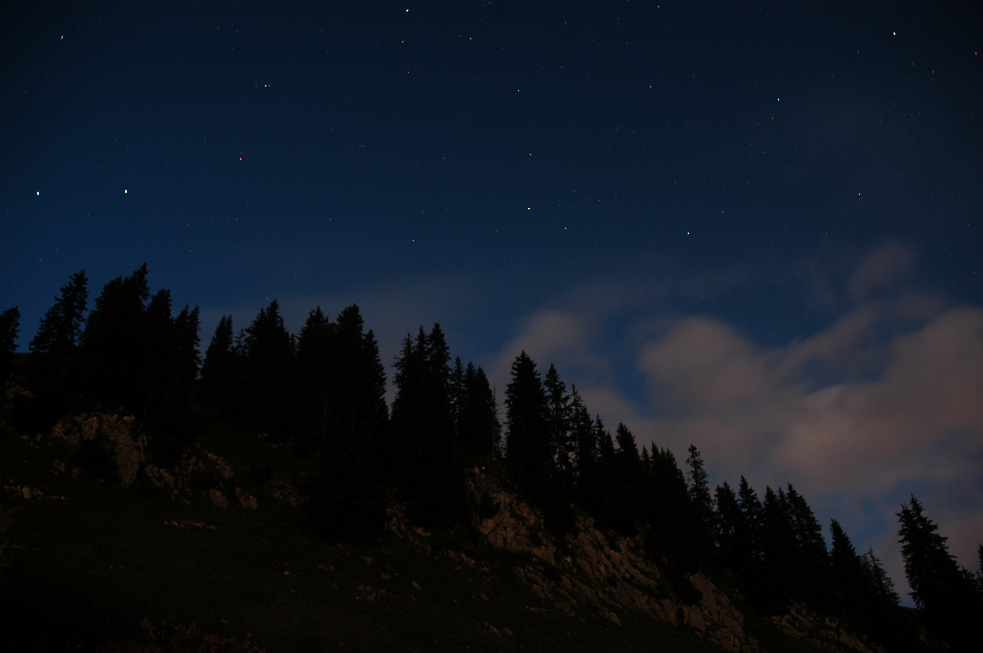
924 406
881 269
551 336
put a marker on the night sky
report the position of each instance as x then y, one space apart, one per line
754 227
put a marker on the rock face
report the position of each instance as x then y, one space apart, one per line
198 471
824 633
117 434
611 579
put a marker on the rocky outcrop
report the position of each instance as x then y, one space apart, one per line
824 633
587 572
118 436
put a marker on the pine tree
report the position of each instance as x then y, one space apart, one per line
428 464
268 359
558 417
941 589
674 530
527 443
54 347
751 515
699 490
341 362
219 372
583 436
844 561
477 418
187 357
61 327
113 347
879 583
811 558
9 328
313 369
358 382
731 531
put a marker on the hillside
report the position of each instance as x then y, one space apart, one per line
104 550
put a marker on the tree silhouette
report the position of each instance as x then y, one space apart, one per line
9 328
527 443
558 418
220 370
113 348
732 533
476 414
54 347
427 465
343 378
945 592
268 357
61 326
699 490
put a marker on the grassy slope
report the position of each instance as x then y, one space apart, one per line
86 563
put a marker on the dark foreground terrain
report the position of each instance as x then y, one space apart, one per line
221 560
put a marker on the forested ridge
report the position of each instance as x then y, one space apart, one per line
322 393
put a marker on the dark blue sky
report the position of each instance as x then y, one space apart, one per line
751 226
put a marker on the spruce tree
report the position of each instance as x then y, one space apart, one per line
427 466
61 327
477 418
347 498
219 371
9 328
54 366
942 590
268 359
780 574
699 490
558 418
731 531
527 443
113 348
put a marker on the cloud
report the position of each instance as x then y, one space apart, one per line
884 400
884 267
561 337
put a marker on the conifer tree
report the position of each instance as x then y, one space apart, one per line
558 418
9 328
313 377
358 382
347 499
941 589
675 531
583 436
477 418
527 443
699 490
428 466
61 327
219 371
113 346
268 358
731 532
844 562
54 347
780 575
187 357
879 581
751 515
